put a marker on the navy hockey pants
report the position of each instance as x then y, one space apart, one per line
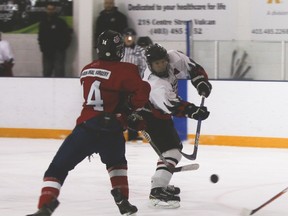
83 142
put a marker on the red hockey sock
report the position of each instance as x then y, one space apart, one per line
118 178
50 190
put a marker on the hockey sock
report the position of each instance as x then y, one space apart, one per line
162 176
50 190
119 179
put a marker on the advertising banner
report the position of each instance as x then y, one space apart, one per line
166 19
269 20
22 16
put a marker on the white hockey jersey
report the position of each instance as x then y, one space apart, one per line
164 91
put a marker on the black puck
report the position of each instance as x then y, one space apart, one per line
214 178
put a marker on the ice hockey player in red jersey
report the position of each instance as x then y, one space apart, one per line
164 70
108 87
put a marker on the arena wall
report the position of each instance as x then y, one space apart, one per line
243 113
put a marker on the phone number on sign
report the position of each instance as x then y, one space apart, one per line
269 31
166 31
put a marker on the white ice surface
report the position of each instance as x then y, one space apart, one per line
248 178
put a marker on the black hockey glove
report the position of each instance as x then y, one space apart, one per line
136 122
199 79
195 112
202 85
124 106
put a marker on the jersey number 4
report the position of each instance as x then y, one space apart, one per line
94 97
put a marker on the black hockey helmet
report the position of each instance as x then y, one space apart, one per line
110 46
153 53
144 41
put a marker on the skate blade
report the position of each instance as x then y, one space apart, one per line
156 203
130 214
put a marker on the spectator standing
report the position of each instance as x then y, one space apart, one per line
54 37
134 54
110 19
6 58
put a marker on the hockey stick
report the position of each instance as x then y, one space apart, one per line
197 136
169 166
269 201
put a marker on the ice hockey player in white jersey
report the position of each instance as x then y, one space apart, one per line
163 71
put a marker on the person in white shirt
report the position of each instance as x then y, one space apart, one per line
6 58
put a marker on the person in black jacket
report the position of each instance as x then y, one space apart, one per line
110 19
54 37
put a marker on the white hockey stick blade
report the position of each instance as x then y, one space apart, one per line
245 212
188 167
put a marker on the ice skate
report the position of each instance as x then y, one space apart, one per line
47 209
123 204
172 189
160 197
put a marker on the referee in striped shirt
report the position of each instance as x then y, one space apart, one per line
133 54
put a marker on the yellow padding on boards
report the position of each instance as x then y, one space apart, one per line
33 133
245 141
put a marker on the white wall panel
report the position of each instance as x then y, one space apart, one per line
238 108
